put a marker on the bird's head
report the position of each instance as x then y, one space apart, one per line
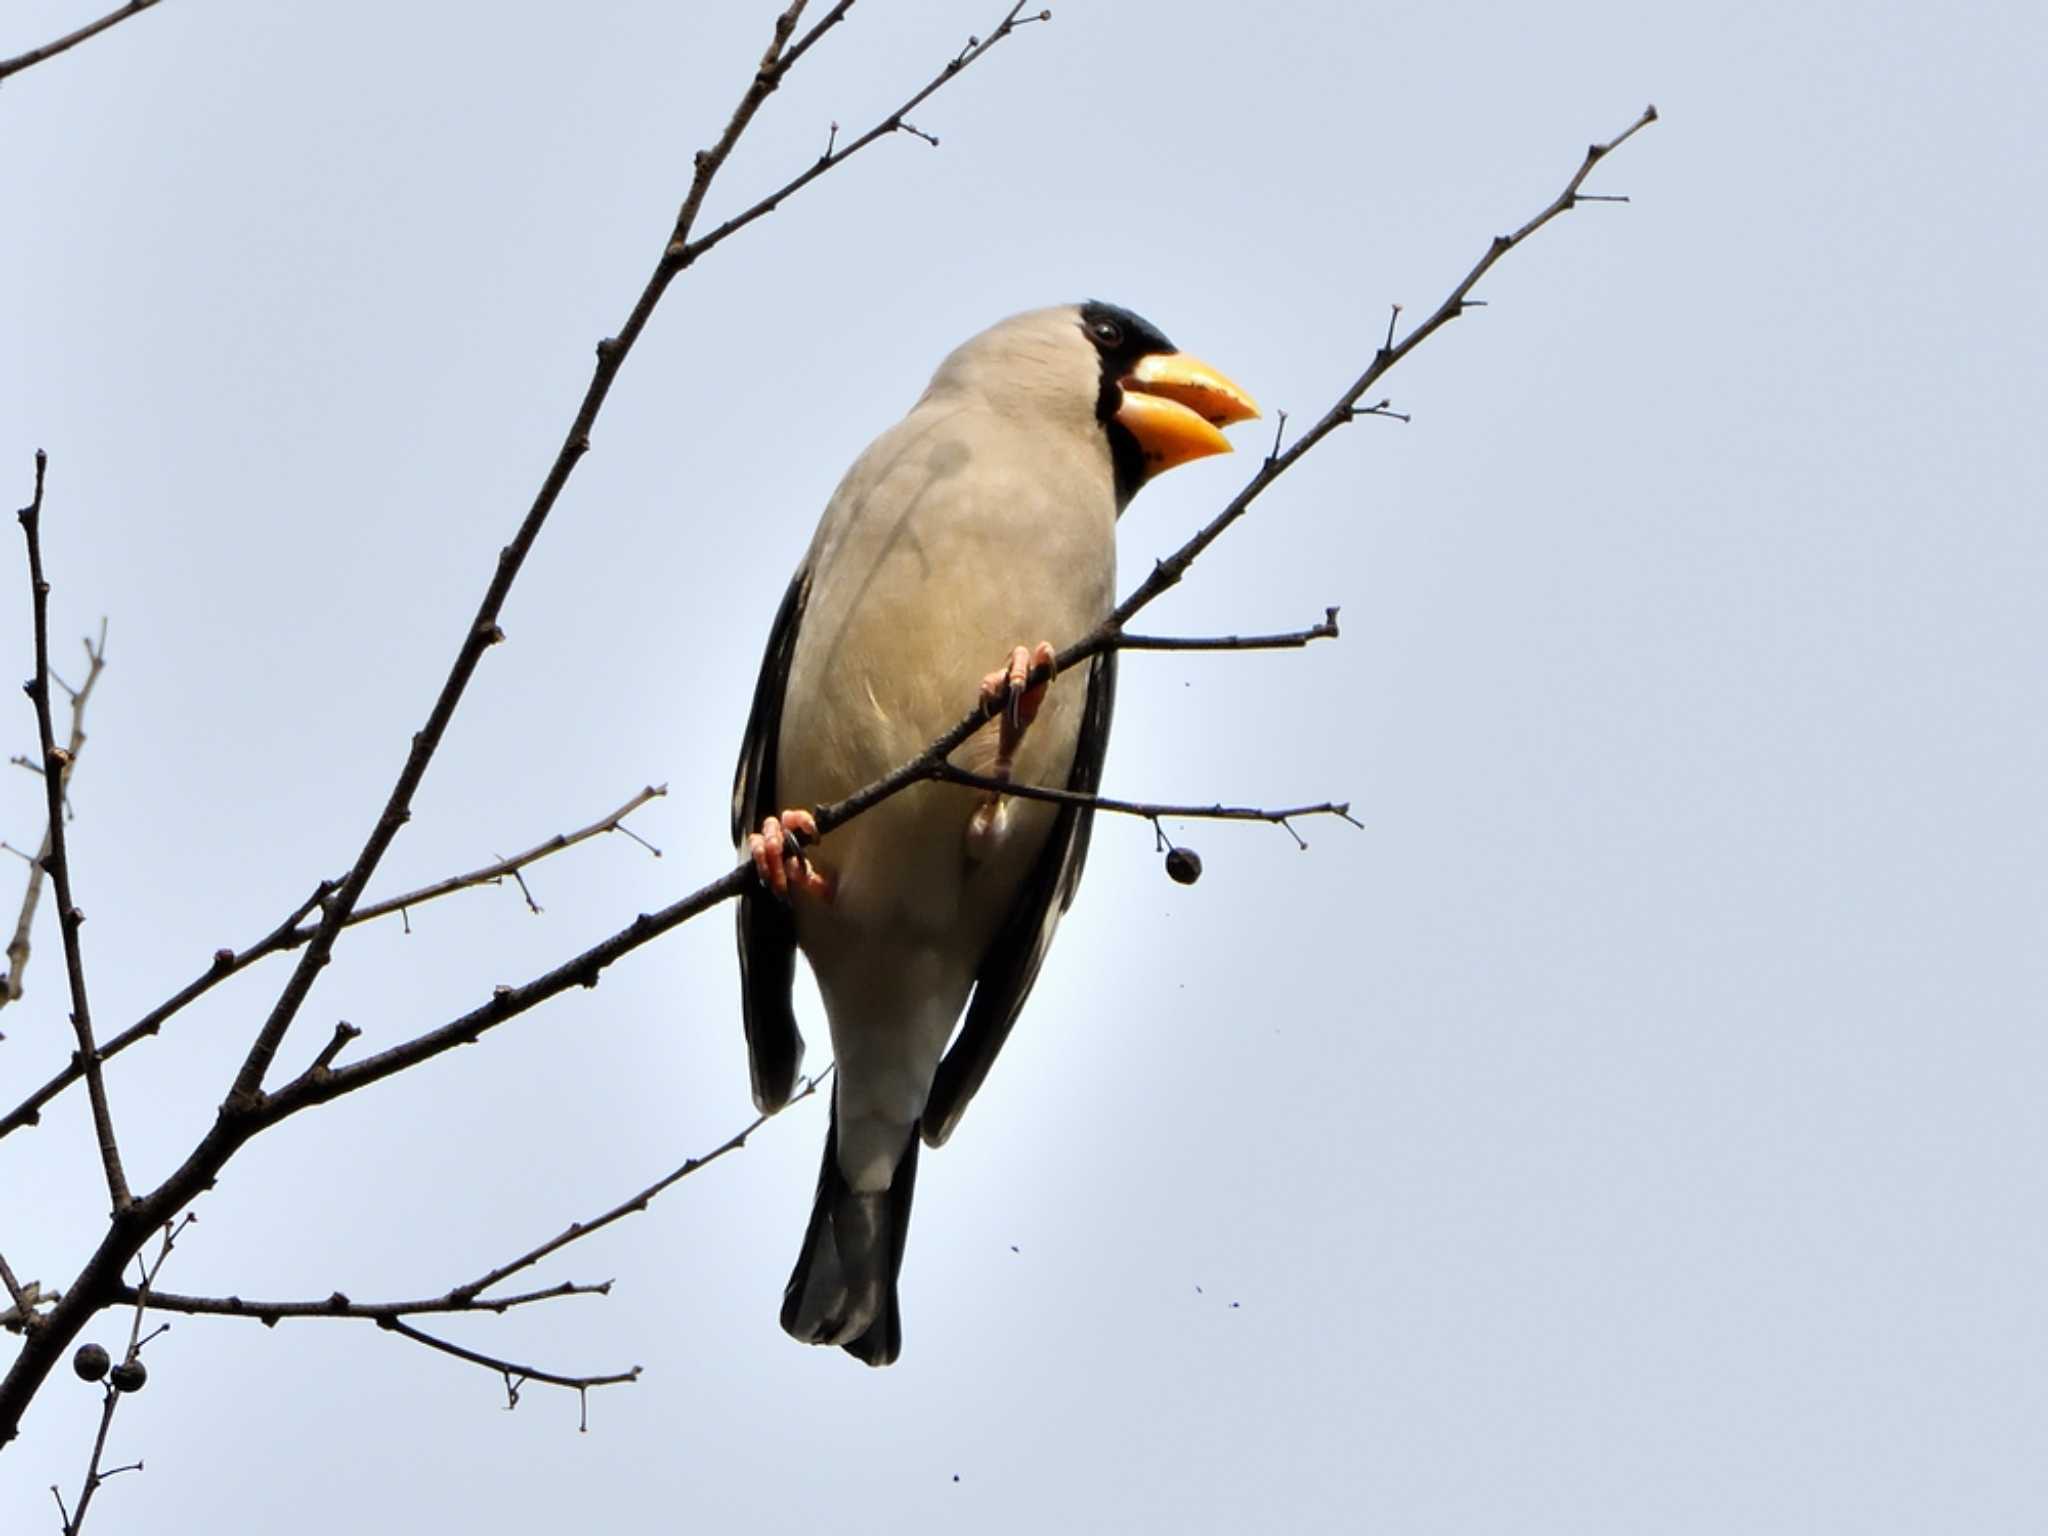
1096 367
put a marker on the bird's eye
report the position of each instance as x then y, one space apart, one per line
1107 333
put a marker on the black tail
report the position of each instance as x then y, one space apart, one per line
843 1289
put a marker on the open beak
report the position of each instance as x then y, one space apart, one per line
1176 405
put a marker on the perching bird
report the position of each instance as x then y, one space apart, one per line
981 523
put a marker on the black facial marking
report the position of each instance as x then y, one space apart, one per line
1126 462
1121 338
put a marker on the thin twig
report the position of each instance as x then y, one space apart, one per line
18 946
70 40
578 1230
140 1296
56 762
491 873
508 1368
343 1033
109 1401
948 773
1292 639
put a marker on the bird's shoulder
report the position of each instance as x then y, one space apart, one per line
953 463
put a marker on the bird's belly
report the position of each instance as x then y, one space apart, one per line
906 877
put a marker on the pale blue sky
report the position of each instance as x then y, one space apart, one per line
1636 1127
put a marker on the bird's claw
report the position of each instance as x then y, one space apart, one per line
1008 695
1008 690
779 859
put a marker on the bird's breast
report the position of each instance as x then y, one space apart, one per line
950 542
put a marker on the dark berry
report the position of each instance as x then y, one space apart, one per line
129 1376
90 1362
1184 865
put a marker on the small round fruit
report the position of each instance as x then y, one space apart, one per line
129 1376
1184 865
90 1362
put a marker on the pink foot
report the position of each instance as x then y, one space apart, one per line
1006 689
1008 692
778 854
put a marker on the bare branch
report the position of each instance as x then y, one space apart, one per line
270 1313
291 934
947 773
507 1368
18 946
64 44
56 763
679 253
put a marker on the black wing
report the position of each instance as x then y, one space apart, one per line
767 930
1011 964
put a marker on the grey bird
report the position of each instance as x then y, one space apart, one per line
984 521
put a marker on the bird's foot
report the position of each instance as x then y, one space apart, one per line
779 859
1007 690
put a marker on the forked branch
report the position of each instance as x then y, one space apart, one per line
472 1295
294 932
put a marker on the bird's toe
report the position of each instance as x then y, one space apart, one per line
780 861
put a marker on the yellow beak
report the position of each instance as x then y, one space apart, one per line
1174 405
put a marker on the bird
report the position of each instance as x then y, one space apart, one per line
980 528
